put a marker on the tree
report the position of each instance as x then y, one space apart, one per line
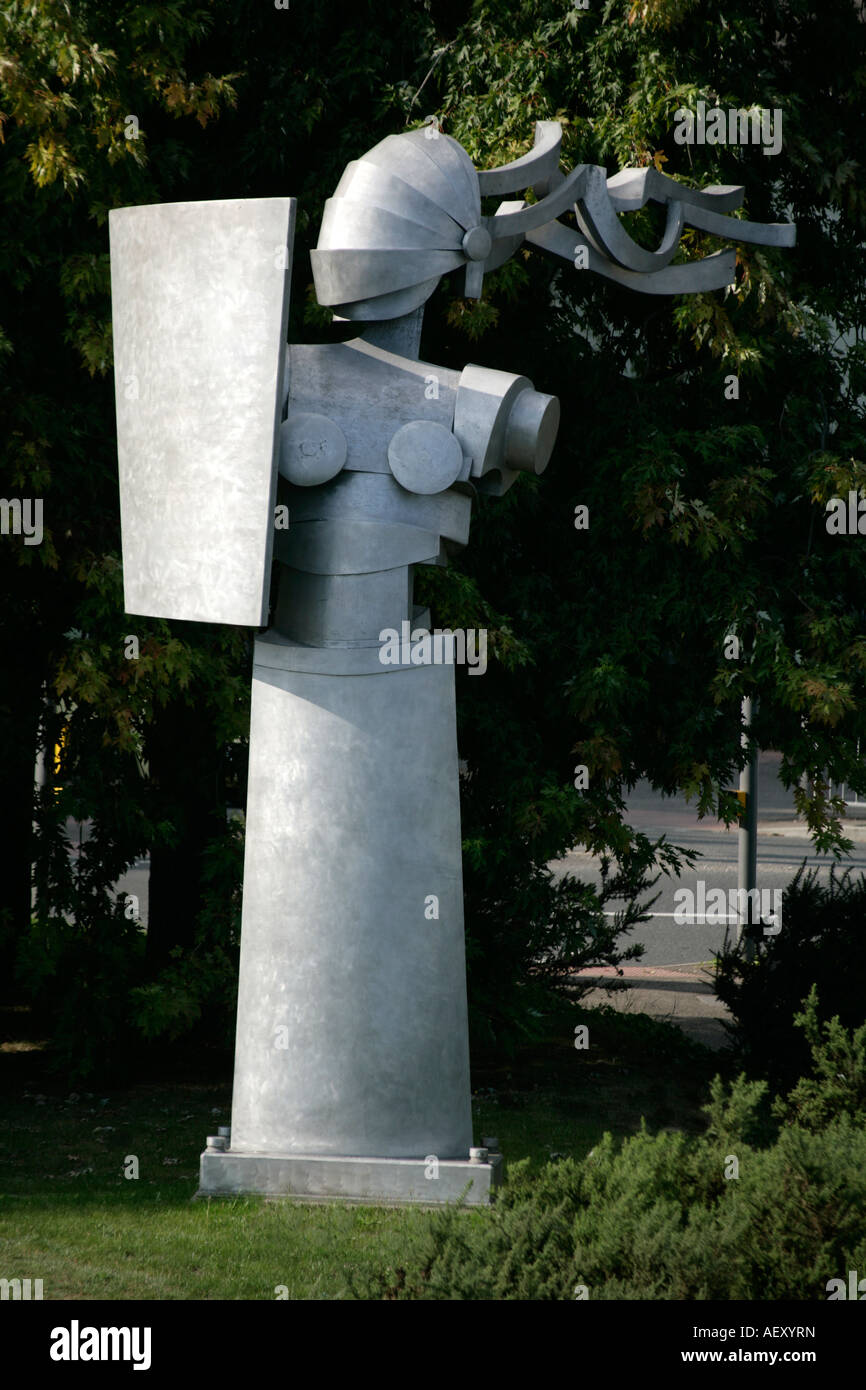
103 108
75 88
706 512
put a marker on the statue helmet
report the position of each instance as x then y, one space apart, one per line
402 216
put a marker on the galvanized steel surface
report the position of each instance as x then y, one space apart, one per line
409 211
199 308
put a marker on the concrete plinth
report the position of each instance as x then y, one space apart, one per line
352 1034
386 1181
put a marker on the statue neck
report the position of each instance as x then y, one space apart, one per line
401 336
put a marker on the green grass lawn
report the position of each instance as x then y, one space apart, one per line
68 1215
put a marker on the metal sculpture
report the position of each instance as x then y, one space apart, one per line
352 1063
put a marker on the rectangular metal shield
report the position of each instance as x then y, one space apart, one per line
200 298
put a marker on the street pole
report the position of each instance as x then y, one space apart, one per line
747 836
40 781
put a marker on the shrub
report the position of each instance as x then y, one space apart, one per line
821 943
839 1062
77 974
197 991
85 975
670 1217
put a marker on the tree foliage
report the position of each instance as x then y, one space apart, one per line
706 513
820 948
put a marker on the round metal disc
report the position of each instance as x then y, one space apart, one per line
312 448
425 457
531 431
477 243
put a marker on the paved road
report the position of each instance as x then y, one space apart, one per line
782 847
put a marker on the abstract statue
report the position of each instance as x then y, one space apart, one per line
352 1062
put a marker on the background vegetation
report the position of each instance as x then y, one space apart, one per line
706 514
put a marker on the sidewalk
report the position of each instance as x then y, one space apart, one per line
786 823
680 994
669 821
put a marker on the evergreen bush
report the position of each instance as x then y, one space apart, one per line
761 1206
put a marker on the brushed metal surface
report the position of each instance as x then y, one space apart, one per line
412 189
378 496
386 1181
709 273
331 609
484 402
600 224
365 182
369 393
632 188
541 161
425 457
200 297
353 546
353 821
312 449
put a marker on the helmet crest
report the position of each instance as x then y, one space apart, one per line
409 212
